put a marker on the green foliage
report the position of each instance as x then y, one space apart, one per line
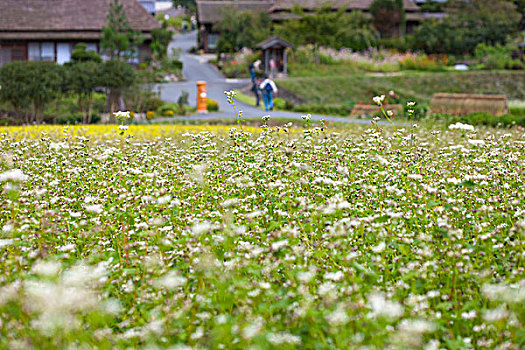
119 40
183 99
81 54
323 109
469 23
30 82
212 105
117 74
329 28
242 29
142 101
388 16
160 39
170 109
238 67
82 79
189 5
485 119
496 57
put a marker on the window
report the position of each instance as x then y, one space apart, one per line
212 41
41 51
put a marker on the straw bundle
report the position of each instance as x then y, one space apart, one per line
463 104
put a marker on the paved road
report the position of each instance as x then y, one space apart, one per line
196 68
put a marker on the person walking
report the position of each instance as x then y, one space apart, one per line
268 88
256 89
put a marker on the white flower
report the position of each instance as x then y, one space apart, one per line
384 308
164 200
280 244
123 127
337 318
389 113
15 175
411 104
415 176
469 315
461 126
334 276
306 117
378 100
476 142
305 276
379 248
46 268
95 208
122 115
266 118
495 315
283 338
171 281
8 228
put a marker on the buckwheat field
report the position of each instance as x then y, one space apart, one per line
171 237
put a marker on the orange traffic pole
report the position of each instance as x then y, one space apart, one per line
201 97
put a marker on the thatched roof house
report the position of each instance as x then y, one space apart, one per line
49 29
210 12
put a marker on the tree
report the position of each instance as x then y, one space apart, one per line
388 17
469 23
33 83
82 79
116 76
328 28
14 83
242 29
189 5
160 40
119 40
81 54
520 7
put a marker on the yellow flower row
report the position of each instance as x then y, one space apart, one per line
111 131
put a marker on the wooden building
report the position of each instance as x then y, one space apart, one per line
274 56
47 30
210 12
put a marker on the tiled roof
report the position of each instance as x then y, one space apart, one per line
280 5
211 11
68 15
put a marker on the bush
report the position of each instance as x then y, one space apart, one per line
170 109
279 103
485 119
212 105
496 57
323 109
31 83
421 63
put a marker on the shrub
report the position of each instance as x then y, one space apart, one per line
421 63
323 109
37 83
212 105
279 103
485 119
170 109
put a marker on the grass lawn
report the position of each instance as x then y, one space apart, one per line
418 86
